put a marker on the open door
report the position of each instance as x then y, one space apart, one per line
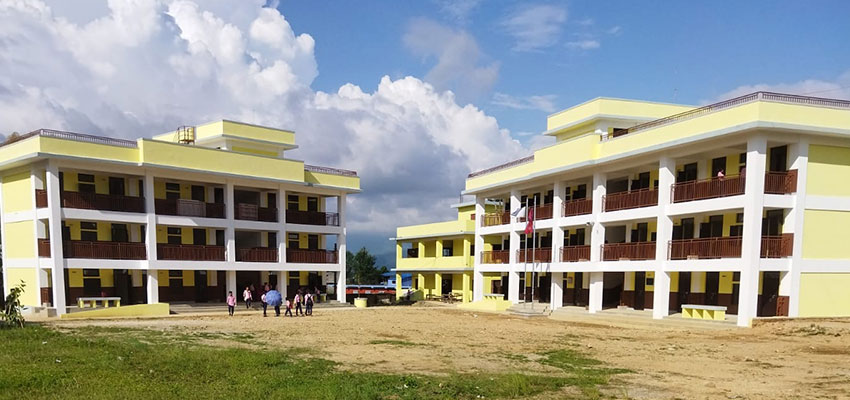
640 290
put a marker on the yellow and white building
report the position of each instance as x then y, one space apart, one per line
740 204
184 216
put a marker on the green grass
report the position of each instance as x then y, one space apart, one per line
95 363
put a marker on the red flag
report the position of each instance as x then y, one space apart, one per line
529 226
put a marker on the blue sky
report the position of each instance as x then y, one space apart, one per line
685 52
412 94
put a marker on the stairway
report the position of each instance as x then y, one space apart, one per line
530 310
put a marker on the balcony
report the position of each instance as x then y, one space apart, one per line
495 257
96 201
312 218
190 252
257 254
575 253
780 182
494 219
634 251
253 212
777 246
578 207
705 248
708 188
541 255
311 256
104 250
540 212
189 208
630 199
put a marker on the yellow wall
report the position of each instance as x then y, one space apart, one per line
827 166
824 295
17 192
823 235
20 239
32 293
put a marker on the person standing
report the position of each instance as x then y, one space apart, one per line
288 308
308 301
246 295
231 303
265 305
298 301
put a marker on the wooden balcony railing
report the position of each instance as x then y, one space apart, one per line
578 207
311 256
628 251
540 212
780 182
257 254
708 188
104 202
253 212
312 218
190 252
630 199
541 255
705 248
495 257
40 198
44 247
575 253
104 250
189 208
777 246
499 218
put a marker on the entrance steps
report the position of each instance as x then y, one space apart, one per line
530 309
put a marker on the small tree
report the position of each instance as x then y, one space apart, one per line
12 316
361 269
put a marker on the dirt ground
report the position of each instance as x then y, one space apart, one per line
787 359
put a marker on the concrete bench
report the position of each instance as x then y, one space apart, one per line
92 301
698 311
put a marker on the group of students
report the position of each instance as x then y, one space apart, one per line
303 303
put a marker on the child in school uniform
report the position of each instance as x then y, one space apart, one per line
231 303
288 308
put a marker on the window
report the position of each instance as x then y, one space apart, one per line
448 248
294 274
88 231
736 230
85 183
175 235
739 218
292 202
91 273
172 190
116 186
175 273
413 252
292 241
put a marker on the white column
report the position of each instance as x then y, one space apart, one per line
664 233
55 228
281 230
751 243
230 231
39 229
597 231
596 286
799 153
556 300
341 252
150 220
514 268
153 286
230 278
478 276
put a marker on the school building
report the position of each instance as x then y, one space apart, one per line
184 216
740 204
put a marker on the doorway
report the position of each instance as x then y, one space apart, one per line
201 286
769 293
640 290
684 290
712 285
116 186
612 283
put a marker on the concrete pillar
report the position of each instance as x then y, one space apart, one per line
478 282
281 226
341 249
664 233
799 155
557 231
264 277
230 231
596 287
398 293
597 231
751 242
230 284
557 292
514 242
467 287
153 286
438 284
57 259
